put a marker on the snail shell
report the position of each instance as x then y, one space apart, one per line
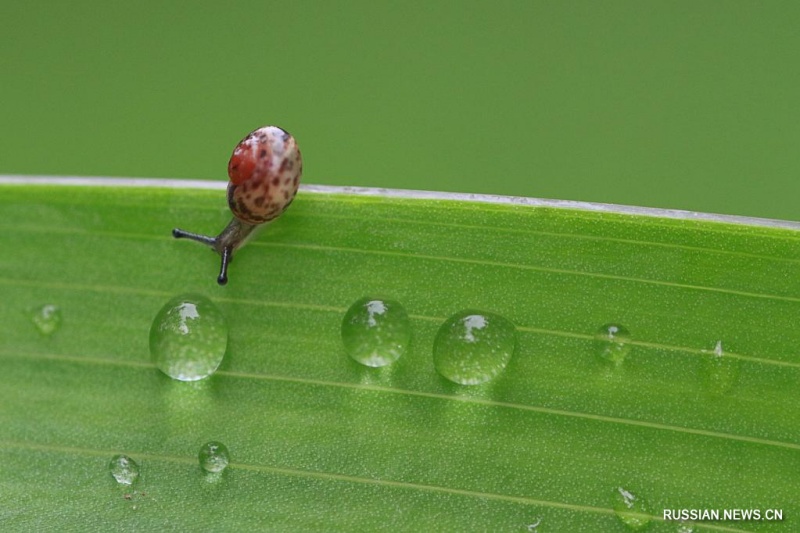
264 172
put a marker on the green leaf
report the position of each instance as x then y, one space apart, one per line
321 443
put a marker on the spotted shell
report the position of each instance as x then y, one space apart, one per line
265 171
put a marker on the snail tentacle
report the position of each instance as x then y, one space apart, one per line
204 239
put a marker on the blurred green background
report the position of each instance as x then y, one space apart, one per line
690 105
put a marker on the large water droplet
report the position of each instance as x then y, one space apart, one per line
630 509
473 347
213 457
611 343
188 338
47 319
376 332
124 469
722 371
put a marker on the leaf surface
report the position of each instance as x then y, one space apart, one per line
319 442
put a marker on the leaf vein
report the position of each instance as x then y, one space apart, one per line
332 476
430 395
334 309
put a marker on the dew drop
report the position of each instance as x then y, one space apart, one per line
630 509
47 319
718 349
124 469
188 338
213 457
684 527
611 343
376 332
722 371
472 347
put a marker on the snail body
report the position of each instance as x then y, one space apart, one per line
264 171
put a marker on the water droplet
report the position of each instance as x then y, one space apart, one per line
188 338
47 319
534 527
722 371
630 509
473 347
376 332
611 343
718 349
684 527
124 469
213 457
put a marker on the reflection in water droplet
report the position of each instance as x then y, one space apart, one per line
722 371
534 527
213 457
376 332
47 319
188 338
124 469
472 347
630 509
611 343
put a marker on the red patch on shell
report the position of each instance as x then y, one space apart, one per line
242 163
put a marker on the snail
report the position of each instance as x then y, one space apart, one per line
264 172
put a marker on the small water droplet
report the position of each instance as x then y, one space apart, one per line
611 343
47 319
630 509
376 332
213 457
722 371
718 349
188 338
684 527
124 469
472 347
